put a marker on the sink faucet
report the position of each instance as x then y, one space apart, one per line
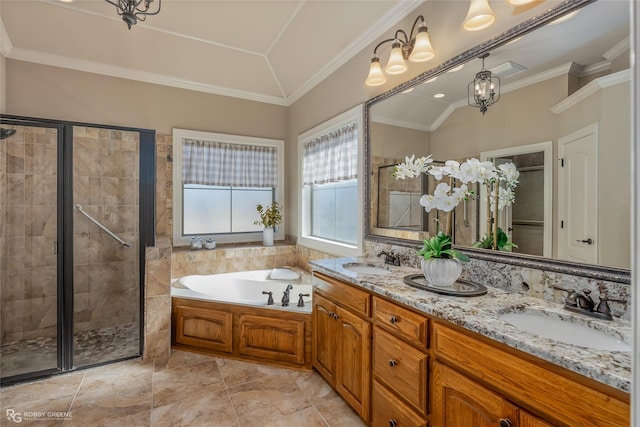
583 303
285 296
390 258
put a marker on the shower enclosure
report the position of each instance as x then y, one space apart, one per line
76 212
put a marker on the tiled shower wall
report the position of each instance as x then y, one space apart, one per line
105 182
28 224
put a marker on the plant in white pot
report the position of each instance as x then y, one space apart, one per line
441 263
270 216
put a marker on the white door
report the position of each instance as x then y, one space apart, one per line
578 196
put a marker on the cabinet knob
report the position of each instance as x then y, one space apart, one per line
506 422
393 423
393 319
392 363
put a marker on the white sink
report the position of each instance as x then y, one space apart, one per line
365 268
565 329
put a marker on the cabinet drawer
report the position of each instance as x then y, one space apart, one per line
401 368
387 410
547 392
347 295
401 322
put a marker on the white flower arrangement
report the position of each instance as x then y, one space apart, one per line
446 196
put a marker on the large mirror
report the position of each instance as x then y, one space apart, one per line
563 118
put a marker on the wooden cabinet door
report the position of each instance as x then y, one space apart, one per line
528 420
271 338
205 328
458 401
353 364
324 338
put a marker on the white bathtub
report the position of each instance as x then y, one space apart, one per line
246 288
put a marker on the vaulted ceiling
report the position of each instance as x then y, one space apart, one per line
265 50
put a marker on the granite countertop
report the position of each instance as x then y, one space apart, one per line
480 314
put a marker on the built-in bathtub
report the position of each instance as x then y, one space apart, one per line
228 315
246 288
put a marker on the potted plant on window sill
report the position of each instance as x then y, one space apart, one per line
270 217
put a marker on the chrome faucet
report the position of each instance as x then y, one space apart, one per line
285 296
390 258
583 303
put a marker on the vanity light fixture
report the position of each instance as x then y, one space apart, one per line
415 49
133 11
479 16
484 90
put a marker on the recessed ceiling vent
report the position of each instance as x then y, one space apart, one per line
507 69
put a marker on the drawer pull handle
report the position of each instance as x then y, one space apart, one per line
392 363
393 423
332 314
393 320
506 422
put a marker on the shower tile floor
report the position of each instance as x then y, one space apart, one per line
90 347
185 389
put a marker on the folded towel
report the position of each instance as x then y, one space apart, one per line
284 274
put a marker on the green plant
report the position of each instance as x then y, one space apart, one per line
270 216
440 246
503 241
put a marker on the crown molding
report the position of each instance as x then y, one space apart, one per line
399 123
390 19
621 47
5 41
591 88
131 74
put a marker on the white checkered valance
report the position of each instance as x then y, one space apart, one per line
228 165
331 157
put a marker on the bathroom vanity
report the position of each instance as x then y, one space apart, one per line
401 356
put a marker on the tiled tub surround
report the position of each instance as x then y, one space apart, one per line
480 315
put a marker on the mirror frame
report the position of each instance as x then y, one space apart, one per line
613 274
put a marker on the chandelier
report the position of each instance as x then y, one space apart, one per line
133 11
484 90
415 49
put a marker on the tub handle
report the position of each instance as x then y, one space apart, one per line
300 300
270 299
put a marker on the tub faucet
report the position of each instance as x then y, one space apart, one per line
301 299
285 296
270 299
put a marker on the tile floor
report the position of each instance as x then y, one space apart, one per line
186 389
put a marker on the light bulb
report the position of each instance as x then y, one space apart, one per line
479 17
376 76
422 49
396 64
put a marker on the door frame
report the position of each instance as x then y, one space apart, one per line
547 148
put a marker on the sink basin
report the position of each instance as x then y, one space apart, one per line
567 329
364 268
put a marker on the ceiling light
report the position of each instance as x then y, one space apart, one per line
431 80
403 47
438 95
133 11
454 69
484 90
479 17
565 17
408 90
519 2
66 1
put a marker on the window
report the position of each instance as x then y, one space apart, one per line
330 163
218 181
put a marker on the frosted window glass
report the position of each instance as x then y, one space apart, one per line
244 208
206 211
333 211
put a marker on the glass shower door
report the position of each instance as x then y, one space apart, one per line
106 267
29 259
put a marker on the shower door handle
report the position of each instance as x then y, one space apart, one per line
55 247
78 207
